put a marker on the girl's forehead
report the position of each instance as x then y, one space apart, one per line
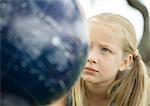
100 33
105 31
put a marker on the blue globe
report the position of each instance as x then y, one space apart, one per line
43 49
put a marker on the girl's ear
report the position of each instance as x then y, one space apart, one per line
126 62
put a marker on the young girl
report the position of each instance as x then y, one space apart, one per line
114 74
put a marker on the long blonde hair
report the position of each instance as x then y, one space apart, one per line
129 89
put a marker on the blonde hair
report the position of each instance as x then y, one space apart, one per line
129 89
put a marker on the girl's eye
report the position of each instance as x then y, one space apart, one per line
105 50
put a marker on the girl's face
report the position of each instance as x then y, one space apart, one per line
105 55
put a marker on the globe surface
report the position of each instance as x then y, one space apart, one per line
43 49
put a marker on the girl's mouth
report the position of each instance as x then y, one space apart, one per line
90 69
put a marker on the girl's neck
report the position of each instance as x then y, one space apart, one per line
97 93
98 89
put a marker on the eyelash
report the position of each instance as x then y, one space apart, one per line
105 50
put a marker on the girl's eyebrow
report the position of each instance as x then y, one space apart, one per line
106 45
109 46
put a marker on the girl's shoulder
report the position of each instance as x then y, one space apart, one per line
69 99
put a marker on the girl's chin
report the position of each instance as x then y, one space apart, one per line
88 78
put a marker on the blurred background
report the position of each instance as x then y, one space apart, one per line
92 7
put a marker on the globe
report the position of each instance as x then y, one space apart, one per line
43 49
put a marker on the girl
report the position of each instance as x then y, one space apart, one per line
114 74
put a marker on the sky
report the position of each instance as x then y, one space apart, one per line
92 7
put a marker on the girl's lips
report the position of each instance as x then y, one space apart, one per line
90 69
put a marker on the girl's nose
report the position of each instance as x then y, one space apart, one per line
92 61
92 56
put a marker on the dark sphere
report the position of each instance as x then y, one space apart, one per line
43 49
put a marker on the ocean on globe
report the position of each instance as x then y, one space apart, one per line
43 49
